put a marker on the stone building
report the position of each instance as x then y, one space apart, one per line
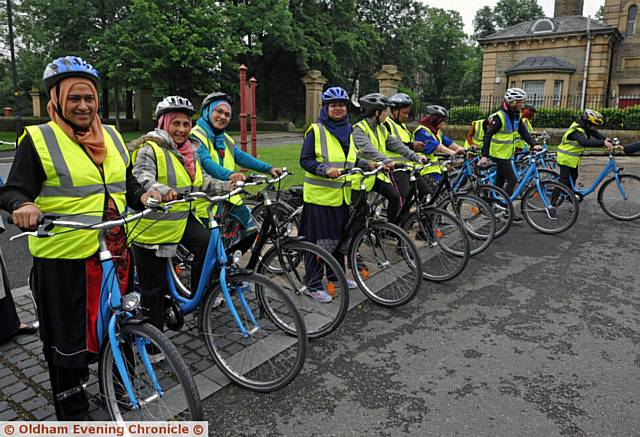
567 60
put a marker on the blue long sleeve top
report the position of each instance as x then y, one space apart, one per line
430 142
241 158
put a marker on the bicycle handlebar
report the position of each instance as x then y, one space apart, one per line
356 170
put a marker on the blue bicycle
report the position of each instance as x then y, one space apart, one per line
619 196
548 206
250 326
132 387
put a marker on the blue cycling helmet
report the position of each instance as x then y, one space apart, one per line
335 94
69 66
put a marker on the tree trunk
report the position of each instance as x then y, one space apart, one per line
129 105
105 96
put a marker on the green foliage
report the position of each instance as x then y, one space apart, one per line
506 13
600 14
484 22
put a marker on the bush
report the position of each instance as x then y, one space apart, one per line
615 119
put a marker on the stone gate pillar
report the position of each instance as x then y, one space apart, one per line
314 82
38 103
144 109
388 79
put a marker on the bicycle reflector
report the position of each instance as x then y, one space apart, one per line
237 256
131 301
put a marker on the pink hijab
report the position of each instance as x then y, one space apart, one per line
185 148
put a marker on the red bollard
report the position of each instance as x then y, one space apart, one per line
243 109
254 138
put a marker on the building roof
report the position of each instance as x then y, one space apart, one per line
541 63
549 26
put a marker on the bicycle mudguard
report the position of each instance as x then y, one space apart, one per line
137 320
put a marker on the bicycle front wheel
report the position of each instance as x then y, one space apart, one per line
623 202
442 242
550 210
476 217
260 356
385 264
302 268
165 390
500 204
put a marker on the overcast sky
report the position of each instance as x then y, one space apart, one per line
468 8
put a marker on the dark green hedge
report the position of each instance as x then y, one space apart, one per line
616 119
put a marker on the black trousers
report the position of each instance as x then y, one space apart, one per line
152 270
567 172
505 176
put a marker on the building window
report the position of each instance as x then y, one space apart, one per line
535 91
542 25
557 92
513 84
631 20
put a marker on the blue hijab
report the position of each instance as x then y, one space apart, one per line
339 129
205 123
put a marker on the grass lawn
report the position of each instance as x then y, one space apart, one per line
285 155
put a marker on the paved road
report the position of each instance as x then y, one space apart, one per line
539 336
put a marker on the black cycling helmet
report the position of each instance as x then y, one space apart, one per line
217 96
437 110
400 100
374 102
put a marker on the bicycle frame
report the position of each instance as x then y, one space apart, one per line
611 167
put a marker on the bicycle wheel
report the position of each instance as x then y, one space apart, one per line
179 398
442 242
501 205
265 358
283 211
476 217
300 268
623 202
550 210
385 264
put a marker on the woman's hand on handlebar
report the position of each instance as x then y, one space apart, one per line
27 216
333 172
236 177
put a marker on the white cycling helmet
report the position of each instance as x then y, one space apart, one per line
514 94
174 103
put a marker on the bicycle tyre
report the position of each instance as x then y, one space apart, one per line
294 255
403 249
499 201
109 376
532 209
470 209
606 201
442 241
265 341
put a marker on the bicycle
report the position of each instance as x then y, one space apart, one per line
441 238
611 196
132 387
297 266
545 199
384 261
244 336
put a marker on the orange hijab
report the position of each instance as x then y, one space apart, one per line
91 139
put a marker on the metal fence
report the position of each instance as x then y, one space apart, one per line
621 112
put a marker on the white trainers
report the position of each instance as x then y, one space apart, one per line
320 296
351 284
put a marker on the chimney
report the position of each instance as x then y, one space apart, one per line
565 8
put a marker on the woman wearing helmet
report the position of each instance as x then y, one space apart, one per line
219 158
374 143
504 128
429 132
166 161
328 149
528 116
582 133
72 164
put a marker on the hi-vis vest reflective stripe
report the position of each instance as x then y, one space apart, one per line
73 185
503 142
401 132
228 162
520 142
160 228
325 191
432 157
478 134
378 140
570 152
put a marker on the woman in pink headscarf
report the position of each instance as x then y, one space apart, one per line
166 161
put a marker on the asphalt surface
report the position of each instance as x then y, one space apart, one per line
539 336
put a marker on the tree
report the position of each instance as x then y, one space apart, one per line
510 12
600 14
483 23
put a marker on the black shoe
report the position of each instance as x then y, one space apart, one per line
29 328
517 218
